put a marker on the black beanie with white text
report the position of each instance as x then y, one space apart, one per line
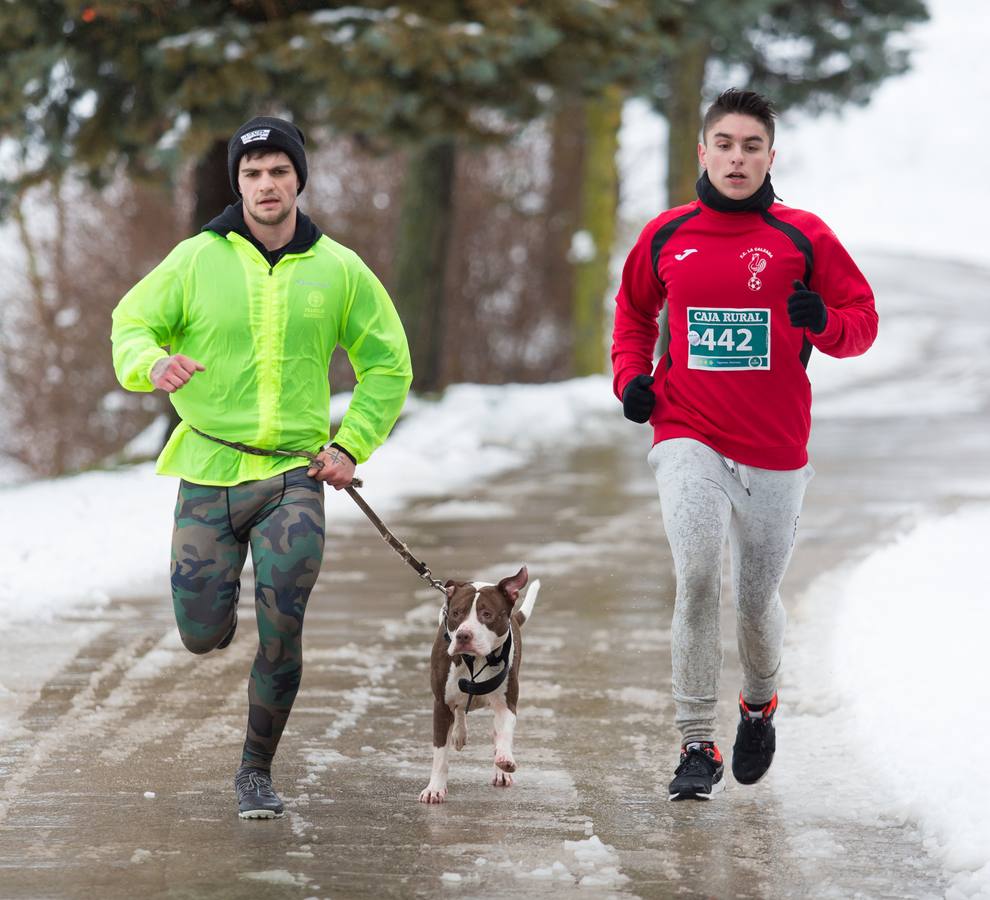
267 133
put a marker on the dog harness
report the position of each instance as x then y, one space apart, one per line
498 656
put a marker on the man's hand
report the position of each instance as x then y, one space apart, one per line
337 469
172 372
807 309
638 399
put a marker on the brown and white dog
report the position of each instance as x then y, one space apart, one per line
475 660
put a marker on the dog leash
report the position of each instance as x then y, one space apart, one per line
398 546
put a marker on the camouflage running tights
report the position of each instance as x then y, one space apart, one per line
281 518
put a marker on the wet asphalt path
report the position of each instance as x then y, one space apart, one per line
133 713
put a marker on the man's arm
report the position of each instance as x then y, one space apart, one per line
851 323
635 330
146 320
375 341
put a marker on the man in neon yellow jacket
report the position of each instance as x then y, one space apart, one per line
250 310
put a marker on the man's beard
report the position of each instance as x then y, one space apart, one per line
277 221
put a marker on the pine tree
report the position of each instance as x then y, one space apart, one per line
816 55
148 83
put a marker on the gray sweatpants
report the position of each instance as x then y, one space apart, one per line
704 500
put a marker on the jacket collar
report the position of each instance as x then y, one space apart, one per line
232 220
761 201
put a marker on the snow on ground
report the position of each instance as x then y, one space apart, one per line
902 681
73 543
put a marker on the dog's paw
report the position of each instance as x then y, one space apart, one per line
459 737
502 779
505 762
433 794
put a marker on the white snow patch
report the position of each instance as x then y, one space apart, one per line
816 843
901 659
167 653
638 697
277 876
912 662
465 509
321 760
583 248
592 864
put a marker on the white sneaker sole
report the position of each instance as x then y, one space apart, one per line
717 788
260 814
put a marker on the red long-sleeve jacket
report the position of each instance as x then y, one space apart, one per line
734 377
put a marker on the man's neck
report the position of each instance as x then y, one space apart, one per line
273 237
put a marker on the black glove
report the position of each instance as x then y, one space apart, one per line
807 309
638 399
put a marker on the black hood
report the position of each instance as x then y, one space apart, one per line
232 219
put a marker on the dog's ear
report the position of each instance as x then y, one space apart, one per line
513 585
450 587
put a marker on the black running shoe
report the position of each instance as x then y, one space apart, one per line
755 743
256 798
233 626
700 773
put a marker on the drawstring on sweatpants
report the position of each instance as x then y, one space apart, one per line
739 472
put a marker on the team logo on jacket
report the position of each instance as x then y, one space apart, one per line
314 305
758 258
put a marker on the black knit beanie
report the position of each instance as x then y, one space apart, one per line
263 132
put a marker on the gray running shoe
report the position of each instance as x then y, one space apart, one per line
256 798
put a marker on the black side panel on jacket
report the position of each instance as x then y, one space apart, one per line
664 234
799 240
804 246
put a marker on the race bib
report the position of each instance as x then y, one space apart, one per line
728 340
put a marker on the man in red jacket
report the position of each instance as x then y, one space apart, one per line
751 287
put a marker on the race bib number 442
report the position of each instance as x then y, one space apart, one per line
727 340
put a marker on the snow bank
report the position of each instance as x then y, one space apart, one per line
910 659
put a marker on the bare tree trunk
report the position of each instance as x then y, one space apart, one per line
421 256
212 186
599 202
42 372
684 117
567 134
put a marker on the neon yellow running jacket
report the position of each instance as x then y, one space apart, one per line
265 335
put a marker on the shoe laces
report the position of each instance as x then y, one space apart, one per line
757 723
256 781
698 759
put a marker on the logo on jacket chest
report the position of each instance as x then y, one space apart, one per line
315 305
756 259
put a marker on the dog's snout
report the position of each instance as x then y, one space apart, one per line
464 636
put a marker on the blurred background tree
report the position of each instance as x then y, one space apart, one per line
820 54
466 150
